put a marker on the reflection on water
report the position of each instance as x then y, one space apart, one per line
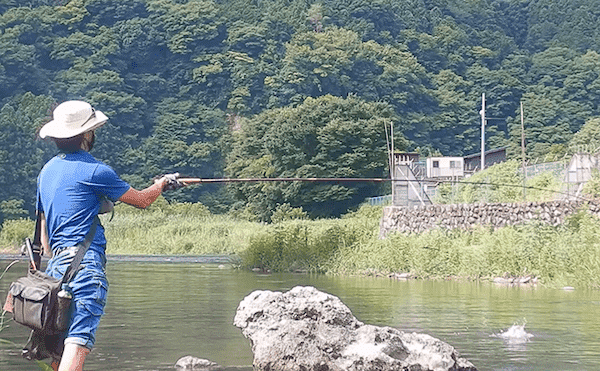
157 313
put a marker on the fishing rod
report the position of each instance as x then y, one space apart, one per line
255 180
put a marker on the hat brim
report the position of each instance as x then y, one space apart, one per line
56 129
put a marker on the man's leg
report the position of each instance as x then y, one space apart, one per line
73 357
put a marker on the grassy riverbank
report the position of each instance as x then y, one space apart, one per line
567 255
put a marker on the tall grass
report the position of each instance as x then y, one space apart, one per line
564 255
307 245
181 228
296 245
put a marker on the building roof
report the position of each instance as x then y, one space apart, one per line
495 150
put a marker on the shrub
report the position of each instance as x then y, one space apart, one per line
293 245
311 245
14 232
542 187
592 187
12 209
285 212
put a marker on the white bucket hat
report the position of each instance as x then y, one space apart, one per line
72 118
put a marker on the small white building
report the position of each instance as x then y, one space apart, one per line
445 167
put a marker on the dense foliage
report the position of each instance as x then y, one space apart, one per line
324 137
215 88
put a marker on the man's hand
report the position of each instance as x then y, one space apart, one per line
171 181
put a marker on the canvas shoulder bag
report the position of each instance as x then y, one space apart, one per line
35 295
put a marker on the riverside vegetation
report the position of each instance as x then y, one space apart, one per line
564 255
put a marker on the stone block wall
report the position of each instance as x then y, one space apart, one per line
418 219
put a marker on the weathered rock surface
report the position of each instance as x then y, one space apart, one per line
305 329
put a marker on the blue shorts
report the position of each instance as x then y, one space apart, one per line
89 288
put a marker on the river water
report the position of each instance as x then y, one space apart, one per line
159 312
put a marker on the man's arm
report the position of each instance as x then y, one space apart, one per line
45 240
145 197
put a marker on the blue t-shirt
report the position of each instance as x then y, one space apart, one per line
70 189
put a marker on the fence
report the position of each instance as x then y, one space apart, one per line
380 201
558 168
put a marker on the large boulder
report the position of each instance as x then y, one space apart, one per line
305 329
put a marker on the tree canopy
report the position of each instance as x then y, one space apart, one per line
324 137
215 88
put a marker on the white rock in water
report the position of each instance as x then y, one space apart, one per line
306 329
193 363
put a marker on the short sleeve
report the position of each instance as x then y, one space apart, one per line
107 183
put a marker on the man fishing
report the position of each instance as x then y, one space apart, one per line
74 187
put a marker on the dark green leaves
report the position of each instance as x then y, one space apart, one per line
323 137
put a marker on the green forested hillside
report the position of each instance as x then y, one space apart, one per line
215 88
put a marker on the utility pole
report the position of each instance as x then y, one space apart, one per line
523 154
393 160
482 113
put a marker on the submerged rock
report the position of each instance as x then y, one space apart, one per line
193 363
306 329
516 281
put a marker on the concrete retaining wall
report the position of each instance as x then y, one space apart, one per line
464 216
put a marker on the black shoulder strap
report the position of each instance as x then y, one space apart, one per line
37 235
82 249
